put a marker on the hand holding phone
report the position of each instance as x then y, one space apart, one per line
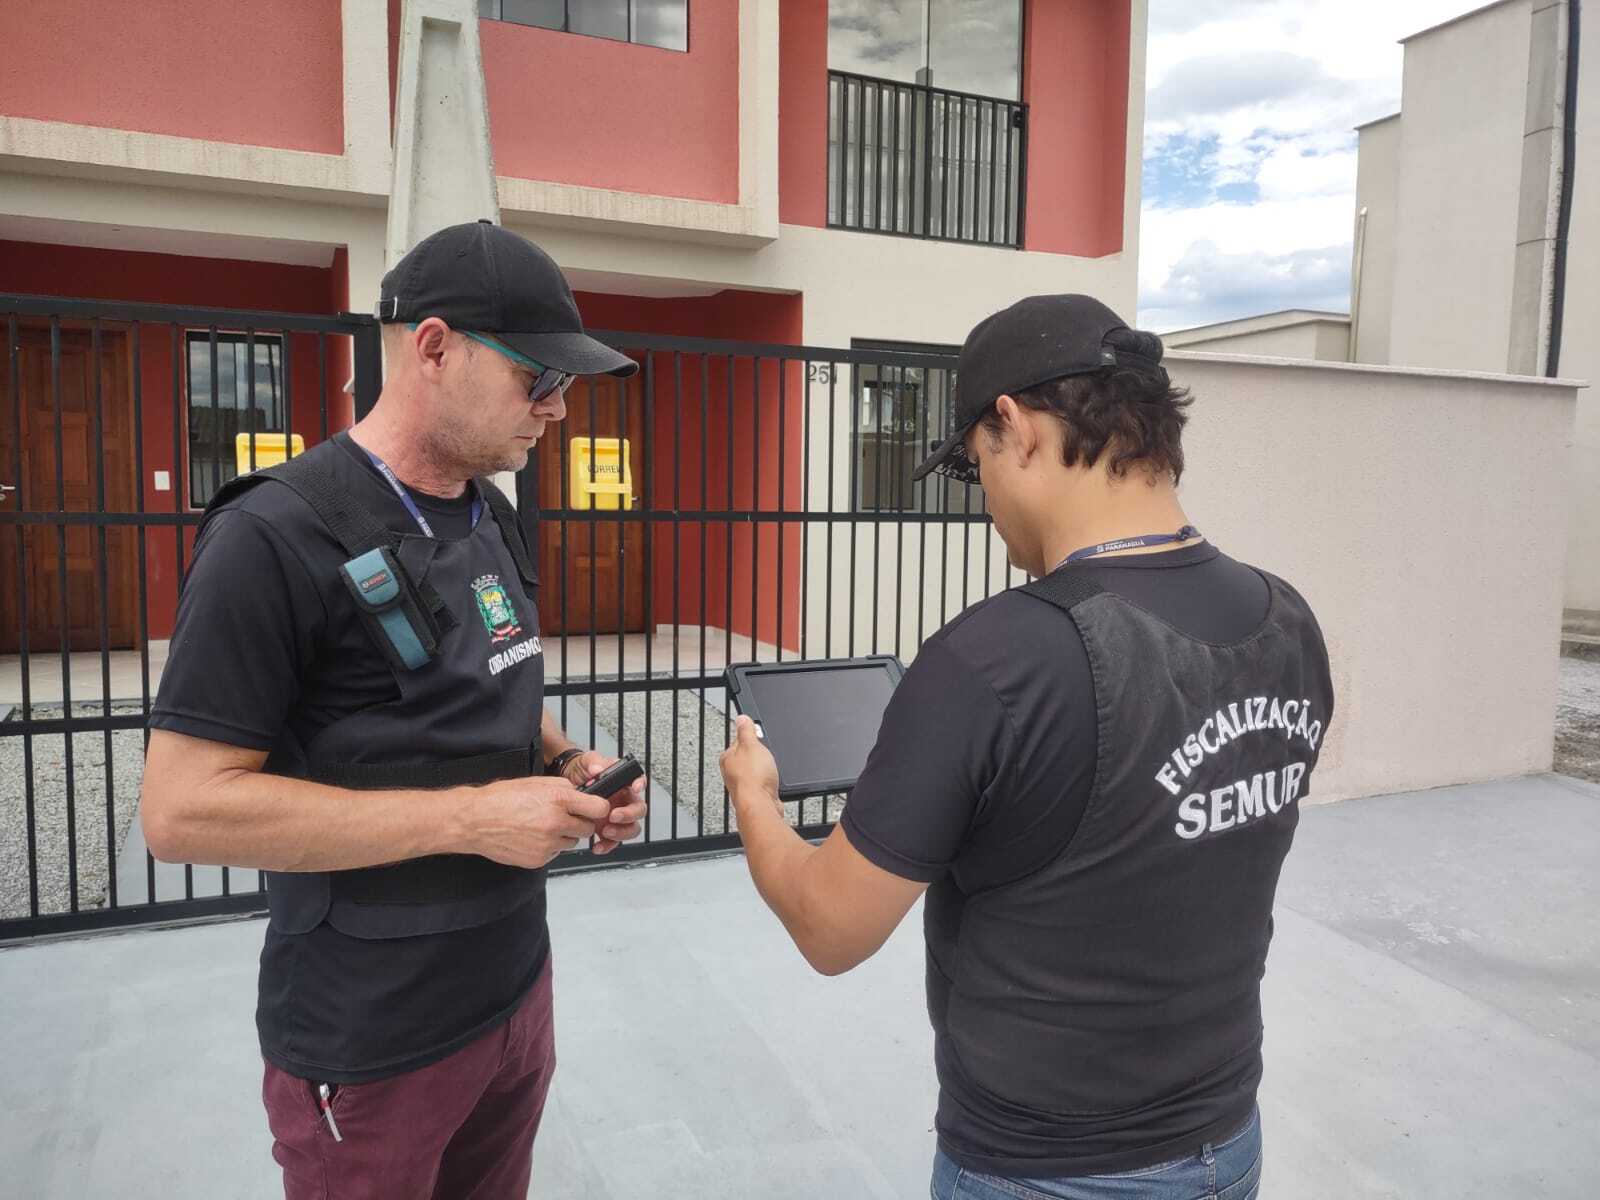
618 777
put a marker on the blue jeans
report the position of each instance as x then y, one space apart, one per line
1230 1170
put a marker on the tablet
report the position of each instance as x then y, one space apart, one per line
819 718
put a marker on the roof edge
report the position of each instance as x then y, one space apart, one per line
1456 20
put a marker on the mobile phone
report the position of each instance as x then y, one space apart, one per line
614 778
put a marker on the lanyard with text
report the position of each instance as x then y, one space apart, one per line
1132 543
411 505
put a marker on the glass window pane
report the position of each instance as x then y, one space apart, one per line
599 18
489 10
883 38
898 416
977 46
663 23
213 427
546 14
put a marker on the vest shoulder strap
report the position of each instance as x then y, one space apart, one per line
352 526
350 523
1065 589
505 516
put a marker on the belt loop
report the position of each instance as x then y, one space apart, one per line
1207 1155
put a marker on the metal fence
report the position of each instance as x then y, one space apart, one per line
762 509
925 162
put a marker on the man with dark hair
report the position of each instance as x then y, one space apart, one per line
1094 777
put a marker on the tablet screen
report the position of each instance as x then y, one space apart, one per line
820 724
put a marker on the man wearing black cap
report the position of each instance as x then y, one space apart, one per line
354 703
1095 778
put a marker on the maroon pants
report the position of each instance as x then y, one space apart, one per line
459 1129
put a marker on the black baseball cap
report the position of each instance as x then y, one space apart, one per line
481 277
1034 341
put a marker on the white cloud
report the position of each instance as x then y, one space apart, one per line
1219 261
1250 109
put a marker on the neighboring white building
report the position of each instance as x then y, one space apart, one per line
1459 223
1293 333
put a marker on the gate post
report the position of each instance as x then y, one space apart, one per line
367 356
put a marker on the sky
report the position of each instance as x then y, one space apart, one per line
1250 149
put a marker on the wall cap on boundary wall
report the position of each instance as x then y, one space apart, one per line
1261 360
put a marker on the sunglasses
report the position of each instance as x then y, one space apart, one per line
546 380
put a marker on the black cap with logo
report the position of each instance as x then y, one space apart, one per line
483 278
1034 341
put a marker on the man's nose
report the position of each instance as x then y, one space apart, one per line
552 407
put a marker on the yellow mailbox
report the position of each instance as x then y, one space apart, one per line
271 449
602 476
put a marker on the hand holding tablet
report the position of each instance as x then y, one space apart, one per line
818 718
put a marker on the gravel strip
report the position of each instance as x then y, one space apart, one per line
1578 719
50 808
1577 754
685 709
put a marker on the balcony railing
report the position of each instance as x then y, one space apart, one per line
925 162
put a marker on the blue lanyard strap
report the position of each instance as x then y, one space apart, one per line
1132 543
411 505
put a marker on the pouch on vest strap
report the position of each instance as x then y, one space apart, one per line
359 532
379 587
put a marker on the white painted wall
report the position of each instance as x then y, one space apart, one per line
1378 191
1311 340
1580 343
1423 517
1439 273
1463 99
1417 511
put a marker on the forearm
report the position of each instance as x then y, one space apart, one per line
552 738
270 822
778 858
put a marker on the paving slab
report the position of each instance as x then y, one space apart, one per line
1431 1010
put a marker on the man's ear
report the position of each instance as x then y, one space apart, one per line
430 341
1019 426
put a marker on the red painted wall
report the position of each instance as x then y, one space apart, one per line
172 279
744 316
586 110
268 73
1075 80
803 112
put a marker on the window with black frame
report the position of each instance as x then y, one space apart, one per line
898 414
927 130
972 46
661 23
221 404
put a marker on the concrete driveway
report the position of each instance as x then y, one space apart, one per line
1433 1030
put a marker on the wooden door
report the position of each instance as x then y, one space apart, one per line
49 484
614 408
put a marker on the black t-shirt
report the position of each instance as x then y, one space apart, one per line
267 640
251 653
986 756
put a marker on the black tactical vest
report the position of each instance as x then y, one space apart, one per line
1123 977
472 604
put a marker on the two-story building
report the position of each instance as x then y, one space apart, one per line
828 174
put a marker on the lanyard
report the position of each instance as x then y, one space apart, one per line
1133 543
411 505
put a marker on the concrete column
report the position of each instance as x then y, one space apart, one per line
443 164
1538 212
759 136
364 28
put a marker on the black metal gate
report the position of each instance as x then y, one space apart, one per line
759 506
